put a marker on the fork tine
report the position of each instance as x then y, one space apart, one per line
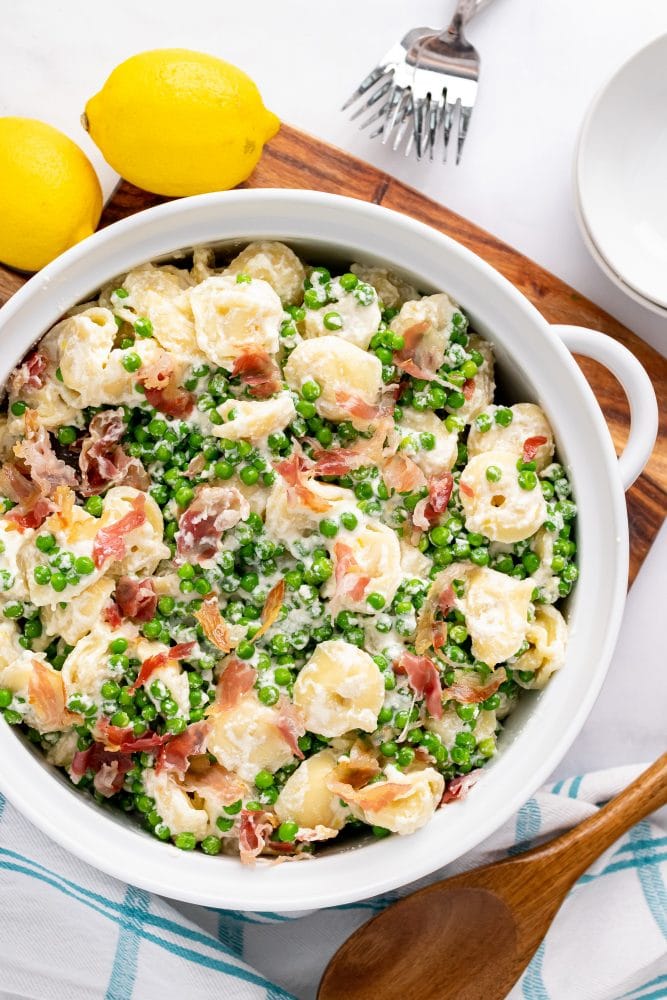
465 115
404 119
365 85
421 115
447 121
395 103
373 98
436 116
380 113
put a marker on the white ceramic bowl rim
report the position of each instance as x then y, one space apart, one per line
534 359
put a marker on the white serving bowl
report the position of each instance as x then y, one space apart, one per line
620 177
533 364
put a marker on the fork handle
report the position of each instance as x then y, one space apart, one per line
465 11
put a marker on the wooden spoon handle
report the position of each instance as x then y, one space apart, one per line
573 852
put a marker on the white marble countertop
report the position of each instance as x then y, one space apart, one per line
542 63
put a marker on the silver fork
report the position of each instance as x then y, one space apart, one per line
444 83
423 81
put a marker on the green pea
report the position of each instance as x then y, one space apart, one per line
348 281
466 740
494 473
396 341
466 712
84 565
454 424
282 676
67 435
131 362
305 409
143 327
328 527
18 408
287 831
483 423
248 475
311 390
436 397
263 779
223 824
175 726
527 479
480 556
325 436
503 416
58 581
469 369
487 747
186 571
94 505
333 321
185 841
120 719
42 575
531 561
456 400
152 629
45 542
234 808
405 756
268 695
376 601
6 697
349 520
460 755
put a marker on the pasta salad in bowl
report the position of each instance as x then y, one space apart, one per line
276 560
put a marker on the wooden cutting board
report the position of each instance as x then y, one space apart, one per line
296 160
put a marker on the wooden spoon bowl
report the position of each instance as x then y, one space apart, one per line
473 935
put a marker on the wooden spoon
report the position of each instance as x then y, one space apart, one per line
473 935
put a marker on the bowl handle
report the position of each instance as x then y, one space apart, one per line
636 385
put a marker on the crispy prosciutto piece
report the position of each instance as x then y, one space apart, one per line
215 780
358 769
402 474
257 825
46 696
103 461
468 388
429 508
350 580
410 368
236 680
293 471
466 490
174 755
136 599
370 798
179 652
119 740
214 510
423 678
271 609
47 471
33 518
30 373
290 725
260 373
466 692
215 627
110 542
109 768
32 507
111 615
430 633
457 788
416 357
365 451
531 446
358 407
162 389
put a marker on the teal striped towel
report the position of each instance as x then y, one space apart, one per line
71 933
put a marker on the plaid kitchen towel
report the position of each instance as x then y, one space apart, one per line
70 933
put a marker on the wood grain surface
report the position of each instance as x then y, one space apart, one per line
296 160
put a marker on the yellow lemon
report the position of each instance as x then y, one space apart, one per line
50 197
177 122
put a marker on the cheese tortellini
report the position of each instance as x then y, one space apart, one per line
527 422
353 317
233 317
431 318
440 451
144 546
495 607
305 797
256 419
274 263
246 739
412 807
376 556
346 374
339 689
546 636
494 502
